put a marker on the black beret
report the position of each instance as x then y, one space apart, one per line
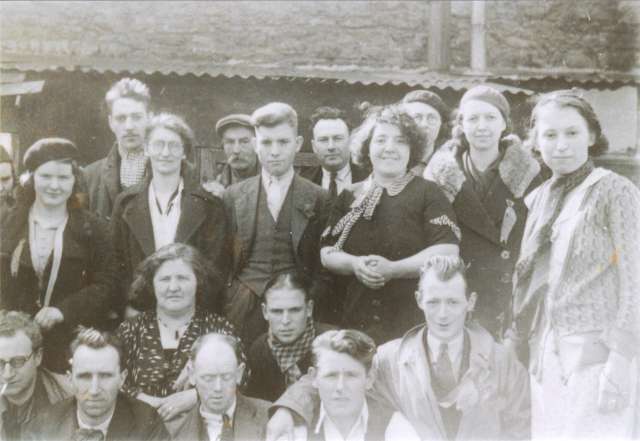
49 149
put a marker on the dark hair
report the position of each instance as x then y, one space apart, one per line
295 281
574 99
128 88
141 290
444 268
12 322
95 339
354 343
396 116
230 340
326 112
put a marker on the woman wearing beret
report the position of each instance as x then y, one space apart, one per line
383 228
168 206
576 300
56 259
486 173
431 115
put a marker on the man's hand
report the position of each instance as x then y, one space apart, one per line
613 390
280 426
152 401
48 316
214 187
177 403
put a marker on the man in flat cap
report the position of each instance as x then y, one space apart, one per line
124 166
237 136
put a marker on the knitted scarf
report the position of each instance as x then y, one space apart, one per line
531 280
288 355
365 205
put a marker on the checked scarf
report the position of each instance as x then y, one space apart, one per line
365 205
289 355
532 270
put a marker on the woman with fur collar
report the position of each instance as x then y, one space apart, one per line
485 172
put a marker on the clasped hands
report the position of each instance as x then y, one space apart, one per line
373 271
613 390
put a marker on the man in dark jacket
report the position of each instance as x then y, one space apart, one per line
98 411
331 145
280 356
124 166
28 388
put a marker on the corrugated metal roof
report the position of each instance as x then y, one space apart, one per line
350 74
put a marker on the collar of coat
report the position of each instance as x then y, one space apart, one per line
517 169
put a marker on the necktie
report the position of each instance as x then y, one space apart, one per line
226 434
274 198
443 370
88 435
333 185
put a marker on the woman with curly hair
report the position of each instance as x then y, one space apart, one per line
383 228
56 258
485 172
576 299
174 282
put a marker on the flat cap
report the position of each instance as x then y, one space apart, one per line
239 119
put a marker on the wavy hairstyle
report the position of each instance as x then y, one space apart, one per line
573 99
395 115
141 290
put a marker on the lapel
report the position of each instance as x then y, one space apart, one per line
193 212
71 246
138 218
303 202
67 423
245 425
414 359
122 424
472 213
246 207
111 173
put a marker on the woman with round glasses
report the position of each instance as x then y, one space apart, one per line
56 258
169 206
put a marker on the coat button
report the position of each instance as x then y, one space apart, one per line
505 254
505 278
376 318
376 302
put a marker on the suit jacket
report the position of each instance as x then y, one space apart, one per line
132 420
310 211
102 179
502 409
249 422
379 418
84 286
314 174
202 225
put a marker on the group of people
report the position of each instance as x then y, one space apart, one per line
427 280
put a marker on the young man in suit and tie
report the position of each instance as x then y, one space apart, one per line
98 411
222 413
448 377
331 145
275 218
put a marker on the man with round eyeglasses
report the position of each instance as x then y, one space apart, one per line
26 388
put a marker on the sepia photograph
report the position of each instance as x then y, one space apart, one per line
320 220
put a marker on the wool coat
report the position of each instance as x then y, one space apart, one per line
102 180
314 174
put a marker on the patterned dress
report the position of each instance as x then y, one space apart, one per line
150 369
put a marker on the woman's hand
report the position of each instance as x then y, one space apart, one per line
177 403
280 426
48 316
152 401
366 273
613 395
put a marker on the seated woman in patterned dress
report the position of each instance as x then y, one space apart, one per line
382 229
157 342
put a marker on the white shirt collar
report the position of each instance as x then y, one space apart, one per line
342 174
331 432
283 180
103 427
213 421
454 348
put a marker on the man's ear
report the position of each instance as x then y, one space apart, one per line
310 308
371 378
299 141
37 356
264 311
191 373
472 301
313 372
111 124
314 147
123 377
239 373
